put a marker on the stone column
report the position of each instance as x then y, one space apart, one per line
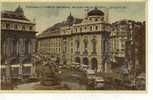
14 47
29 47
3 48
11 47
17 47
21 47
9 76
21 71
33 45
8 47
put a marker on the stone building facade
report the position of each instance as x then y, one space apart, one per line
93 41
128 44
18 43
81 41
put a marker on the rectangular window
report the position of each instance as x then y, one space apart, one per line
102 19
3 25
96 27
72 50
7 25
71 43
15 26
23 27
15 71
26 70
30 28
80 29
90 28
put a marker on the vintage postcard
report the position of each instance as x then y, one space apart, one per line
73 46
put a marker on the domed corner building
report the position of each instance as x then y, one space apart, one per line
96 12
18 42
79 41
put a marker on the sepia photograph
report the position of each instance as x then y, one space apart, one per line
98 46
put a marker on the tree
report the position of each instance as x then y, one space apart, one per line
46 69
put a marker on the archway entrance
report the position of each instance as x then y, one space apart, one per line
77 59
85 61
94 63
58 60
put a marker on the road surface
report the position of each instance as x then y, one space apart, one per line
26 86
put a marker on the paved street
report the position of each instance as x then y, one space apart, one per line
74 86
26 86
73 82
69 78
73 79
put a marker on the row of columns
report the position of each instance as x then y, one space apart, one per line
19 47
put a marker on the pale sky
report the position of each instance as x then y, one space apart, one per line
48 14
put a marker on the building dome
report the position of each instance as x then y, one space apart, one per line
70 18
95 12
19 10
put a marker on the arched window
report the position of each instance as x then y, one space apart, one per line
94 63
77 44
77 59
85 43
80 29
96 27
85 47
85 61
30 27
102 19
96 19
90 28
94 46
57 60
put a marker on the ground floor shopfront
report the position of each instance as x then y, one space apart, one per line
16 71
